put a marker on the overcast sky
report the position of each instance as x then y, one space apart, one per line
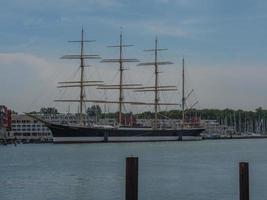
224 43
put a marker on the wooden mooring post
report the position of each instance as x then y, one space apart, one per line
131 191
131 187
244 180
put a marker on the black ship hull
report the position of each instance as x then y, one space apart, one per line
77 134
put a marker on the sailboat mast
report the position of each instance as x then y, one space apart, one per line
81 82
183 96
121 81
156 100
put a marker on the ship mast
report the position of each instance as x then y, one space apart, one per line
121 81
183 96
121 85
156 88
156 99
82 83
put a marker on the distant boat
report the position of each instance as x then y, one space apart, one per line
83 133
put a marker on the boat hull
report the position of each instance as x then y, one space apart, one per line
74 134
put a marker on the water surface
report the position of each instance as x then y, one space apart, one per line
200 170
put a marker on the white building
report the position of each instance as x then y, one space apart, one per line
24 127
215 129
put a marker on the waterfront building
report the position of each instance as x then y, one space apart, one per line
2 133
214 129
5 121
25 128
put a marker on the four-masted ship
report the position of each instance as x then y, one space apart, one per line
85 133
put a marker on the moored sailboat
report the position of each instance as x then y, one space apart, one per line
82 132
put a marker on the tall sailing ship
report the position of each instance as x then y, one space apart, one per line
85 133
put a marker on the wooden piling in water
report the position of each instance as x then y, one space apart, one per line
131 192
244 180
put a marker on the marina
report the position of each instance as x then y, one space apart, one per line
133 100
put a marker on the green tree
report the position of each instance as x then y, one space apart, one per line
49 110
94 112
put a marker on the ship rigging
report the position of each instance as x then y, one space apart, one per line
83 133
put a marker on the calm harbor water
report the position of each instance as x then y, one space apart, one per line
201 170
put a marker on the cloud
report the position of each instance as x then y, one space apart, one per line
154 27
40 66
25 77
164 29
107 3
204 32
184 3
28 82
231 86
33 3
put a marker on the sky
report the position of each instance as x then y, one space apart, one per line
223 41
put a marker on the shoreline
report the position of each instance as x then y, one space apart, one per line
15 142
235 137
